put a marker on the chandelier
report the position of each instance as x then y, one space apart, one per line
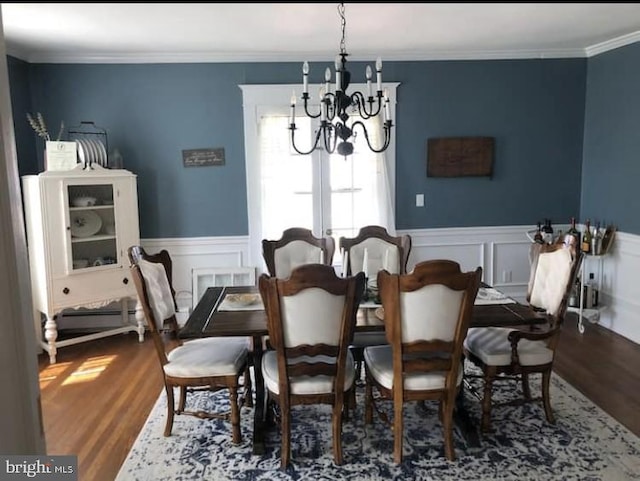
336 129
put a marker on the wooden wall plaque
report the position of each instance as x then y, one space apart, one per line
460 156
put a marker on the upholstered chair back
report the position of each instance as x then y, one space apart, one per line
294 254
553 270
378 249
438 321
297 246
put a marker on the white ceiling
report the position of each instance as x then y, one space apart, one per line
226 32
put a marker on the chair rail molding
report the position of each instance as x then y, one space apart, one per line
501 251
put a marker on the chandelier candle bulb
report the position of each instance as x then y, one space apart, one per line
365 263
368 75
293 107
305 77
327 79
387 113
338 73
379 73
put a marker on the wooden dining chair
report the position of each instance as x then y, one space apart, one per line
509 353
296 247
208 364
311 317
426 317
384 251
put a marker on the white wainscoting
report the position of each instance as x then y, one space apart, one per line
196 253
620 289
501 251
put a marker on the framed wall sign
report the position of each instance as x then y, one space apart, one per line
60 155
460 156
203 157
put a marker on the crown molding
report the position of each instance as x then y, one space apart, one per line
613 44
216 57
203 57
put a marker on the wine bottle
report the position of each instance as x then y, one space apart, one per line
537 238
574 294
596 240
594 290
586 238
575 233
547 232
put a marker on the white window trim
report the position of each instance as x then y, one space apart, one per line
258 100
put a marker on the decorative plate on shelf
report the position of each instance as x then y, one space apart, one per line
102 152
84 223
82 157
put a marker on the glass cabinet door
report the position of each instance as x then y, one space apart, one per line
92 226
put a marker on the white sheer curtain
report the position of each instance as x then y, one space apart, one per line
371 182
286 179
384 183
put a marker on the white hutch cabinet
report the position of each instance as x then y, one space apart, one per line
80 223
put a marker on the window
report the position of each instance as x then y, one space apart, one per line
329 194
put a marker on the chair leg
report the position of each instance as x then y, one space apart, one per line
170 410
183 399
285 427
349 403
489 375
235 415
525 386
398 428
337 431
446 406
546 400
368 398
248 388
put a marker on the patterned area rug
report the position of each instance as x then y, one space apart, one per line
586 444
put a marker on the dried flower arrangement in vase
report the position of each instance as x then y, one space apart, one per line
58 155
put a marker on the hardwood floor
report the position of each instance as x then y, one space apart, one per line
96 398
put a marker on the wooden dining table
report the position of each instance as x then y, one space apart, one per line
207 320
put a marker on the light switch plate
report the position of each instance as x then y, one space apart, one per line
419 200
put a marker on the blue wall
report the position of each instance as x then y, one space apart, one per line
534 109
20 88
611 172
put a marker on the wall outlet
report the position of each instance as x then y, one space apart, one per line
506 277
419 200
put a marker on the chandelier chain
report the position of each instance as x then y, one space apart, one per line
343 21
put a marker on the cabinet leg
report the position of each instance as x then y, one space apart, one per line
141 329
51 334
141 322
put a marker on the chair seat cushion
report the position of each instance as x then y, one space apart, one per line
364 339
379 360
208 357
491 345
304 384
